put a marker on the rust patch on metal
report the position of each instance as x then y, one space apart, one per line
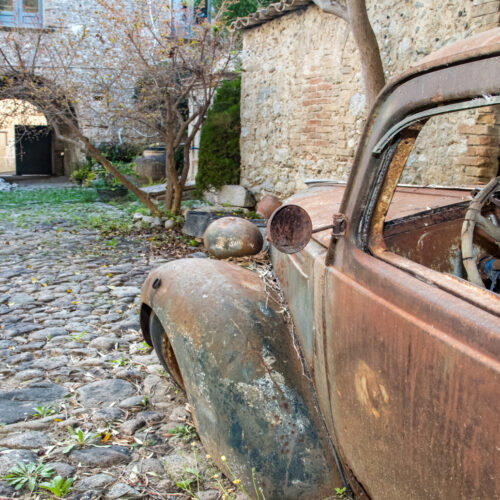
370 390
267 205
388 188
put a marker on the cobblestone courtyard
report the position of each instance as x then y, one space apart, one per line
72 357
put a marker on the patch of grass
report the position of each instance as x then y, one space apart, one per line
205 471
107 225
68 209
47 196
184 432
123 361
252 215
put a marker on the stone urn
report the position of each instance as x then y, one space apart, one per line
151 165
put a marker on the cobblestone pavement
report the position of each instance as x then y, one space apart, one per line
70 346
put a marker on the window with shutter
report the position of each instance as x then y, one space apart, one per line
21 13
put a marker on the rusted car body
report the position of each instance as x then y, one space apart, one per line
390 377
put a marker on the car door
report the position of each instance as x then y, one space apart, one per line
412 354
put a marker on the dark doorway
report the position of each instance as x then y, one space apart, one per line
33 150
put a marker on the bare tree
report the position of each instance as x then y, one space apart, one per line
177 62
353 12
26 60
137 67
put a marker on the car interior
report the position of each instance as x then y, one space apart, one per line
452 227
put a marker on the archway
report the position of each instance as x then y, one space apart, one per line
32 106
27 144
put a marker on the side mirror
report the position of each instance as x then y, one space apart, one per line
289 229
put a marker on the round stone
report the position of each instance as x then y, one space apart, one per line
232 237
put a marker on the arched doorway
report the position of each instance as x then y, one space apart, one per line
28 145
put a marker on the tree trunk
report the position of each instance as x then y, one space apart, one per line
371 62
176 206
97 155
92 151
171 175
169 194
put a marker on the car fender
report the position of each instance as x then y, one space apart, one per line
242 371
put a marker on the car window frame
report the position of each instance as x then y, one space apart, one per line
393 153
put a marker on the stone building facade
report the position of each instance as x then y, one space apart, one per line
46 16
303 104
80 18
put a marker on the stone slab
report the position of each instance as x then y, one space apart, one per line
17 405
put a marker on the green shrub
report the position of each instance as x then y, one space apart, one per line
219 156
239 8
119 153
90 173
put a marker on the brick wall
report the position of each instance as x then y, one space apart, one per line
303 106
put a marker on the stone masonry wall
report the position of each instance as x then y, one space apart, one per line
76 16
303 106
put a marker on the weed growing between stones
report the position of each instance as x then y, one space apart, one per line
43 411
184 432
28 475
58 486
78 337
205 472
80 439
123 361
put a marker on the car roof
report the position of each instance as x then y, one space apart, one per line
489 41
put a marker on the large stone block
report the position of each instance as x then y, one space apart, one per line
233 195
149 168
197 222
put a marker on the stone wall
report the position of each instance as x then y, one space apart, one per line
303 106
91 66
72 16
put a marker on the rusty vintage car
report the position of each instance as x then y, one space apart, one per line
388 380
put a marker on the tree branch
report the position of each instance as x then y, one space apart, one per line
371 62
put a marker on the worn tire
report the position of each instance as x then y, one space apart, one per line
164 351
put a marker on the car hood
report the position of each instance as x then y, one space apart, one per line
321 202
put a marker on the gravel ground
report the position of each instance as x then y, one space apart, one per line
70 346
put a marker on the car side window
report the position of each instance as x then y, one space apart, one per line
441 165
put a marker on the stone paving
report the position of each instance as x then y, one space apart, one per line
70 346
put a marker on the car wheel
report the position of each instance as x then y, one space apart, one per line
164 351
